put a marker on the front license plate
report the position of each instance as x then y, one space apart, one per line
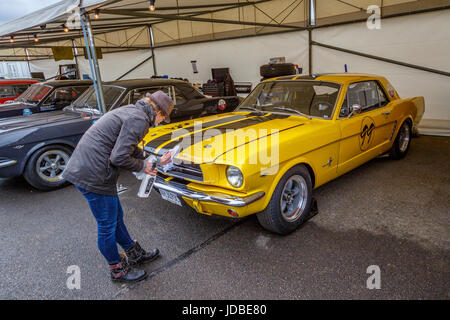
170 196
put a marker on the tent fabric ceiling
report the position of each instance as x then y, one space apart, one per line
124 24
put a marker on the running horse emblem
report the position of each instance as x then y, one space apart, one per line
367 133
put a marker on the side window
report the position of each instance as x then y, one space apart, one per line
345 109
7 92
179 96
382 96
64 95
126 99
366 94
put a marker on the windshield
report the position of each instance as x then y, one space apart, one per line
88 100
34 93
307 98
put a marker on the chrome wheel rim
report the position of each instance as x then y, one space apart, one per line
51 164
293 198
404 138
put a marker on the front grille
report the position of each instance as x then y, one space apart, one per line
185 171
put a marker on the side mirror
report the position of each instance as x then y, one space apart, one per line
355 109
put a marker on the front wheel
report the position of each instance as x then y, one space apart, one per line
290 203
45 167
402 142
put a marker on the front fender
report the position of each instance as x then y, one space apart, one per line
283 168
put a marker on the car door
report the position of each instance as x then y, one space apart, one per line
364 134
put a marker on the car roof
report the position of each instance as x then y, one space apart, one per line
342 78
138 83
64 83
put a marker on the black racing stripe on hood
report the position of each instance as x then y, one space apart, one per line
224 128
154 144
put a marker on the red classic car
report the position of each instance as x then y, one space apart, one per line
10 89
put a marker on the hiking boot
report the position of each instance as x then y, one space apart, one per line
122 272
136 255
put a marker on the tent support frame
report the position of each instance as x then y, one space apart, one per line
135 67
152 46
93 61
370 56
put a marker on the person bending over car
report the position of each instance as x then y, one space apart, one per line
109 145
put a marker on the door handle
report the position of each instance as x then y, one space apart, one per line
386 113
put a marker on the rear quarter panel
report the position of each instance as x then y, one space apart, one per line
410 108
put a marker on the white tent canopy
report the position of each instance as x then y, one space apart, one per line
55 12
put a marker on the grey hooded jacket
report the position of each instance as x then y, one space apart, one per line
110 144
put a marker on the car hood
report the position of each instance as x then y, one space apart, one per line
206 139
35 120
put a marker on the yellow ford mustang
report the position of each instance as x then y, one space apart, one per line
290 135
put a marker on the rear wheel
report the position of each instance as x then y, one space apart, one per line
45 167
290 202
402 142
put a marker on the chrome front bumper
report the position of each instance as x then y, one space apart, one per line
221 198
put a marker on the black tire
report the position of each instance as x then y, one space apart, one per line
272 217
404 135
35 177
277 70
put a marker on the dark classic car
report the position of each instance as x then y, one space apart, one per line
45 96
39 146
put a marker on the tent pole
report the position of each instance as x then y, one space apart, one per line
98 78
92 55
152 45
310 52
88 51
76 59
311 18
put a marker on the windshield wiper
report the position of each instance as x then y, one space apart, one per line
291 110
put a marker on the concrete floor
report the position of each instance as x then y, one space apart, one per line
394 214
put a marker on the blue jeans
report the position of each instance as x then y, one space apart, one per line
111 228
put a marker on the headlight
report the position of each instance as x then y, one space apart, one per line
235 177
